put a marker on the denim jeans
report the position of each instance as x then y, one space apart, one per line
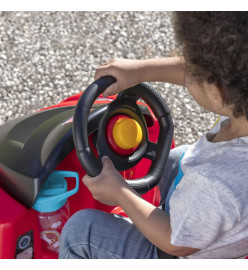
93 234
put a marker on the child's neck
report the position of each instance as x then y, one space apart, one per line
236 128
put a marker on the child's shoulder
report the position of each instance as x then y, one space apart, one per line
224 162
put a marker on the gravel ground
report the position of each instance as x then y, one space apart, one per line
46 57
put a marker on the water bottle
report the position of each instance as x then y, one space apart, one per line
53 209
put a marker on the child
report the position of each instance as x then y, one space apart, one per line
207 212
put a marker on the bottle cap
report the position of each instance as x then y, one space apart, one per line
54 194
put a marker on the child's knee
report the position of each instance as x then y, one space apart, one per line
77 227
76 231
80 220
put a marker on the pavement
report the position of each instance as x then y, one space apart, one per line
46 57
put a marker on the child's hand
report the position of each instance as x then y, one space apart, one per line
127 72
106 187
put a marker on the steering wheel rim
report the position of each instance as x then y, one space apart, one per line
157 152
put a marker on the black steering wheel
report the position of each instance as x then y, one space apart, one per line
124 104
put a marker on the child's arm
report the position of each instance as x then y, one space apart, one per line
131 72
110 188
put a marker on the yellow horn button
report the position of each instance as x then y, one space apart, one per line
127 133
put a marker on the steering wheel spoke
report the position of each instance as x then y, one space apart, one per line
129 94
151 150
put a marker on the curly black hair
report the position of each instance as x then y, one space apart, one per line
215 48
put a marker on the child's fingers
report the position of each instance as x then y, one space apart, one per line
107 163
102 71
111 90
87 180
108 166
92 184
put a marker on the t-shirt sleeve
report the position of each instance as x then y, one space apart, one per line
200 212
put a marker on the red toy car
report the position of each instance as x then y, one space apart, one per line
42 154
43 157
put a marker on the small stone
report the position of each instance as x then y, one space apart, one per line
9 113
